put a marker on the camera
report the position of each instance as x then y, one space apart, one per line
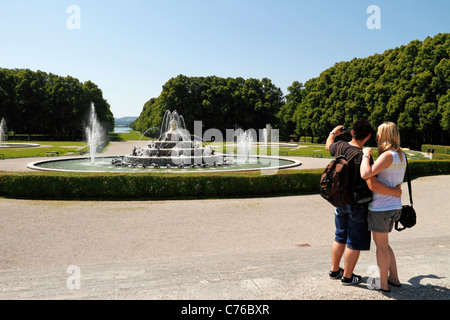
343 129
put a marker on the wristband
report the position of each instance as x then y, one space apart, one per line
333 133
366 156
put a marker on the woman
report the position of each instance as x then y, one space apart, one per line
384 210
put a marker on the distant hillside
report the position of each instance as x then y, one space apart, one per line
124 121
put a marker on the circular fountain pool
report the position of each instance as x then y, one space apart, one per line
174 151
18 145
106 164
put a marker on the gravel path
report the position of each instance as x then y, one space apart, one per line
264 248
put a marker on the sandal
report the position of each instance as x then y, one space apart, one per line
393 284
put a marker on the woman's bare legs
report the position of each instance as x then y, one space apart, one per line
393 273
386 260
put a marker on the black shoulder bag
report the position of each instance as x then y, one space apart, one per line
408 216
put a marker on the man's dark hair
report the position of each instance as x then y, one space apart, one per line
361 129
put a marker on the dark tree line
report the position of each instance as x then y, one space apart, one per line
409 85
221 103
35 102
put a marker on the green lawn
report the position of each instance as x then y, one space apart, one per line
130 136
75 147
319 151
62 147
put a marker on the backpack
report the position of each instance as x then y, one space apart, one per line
334 182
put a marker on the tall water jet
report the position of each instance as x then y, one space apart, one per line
266 132
94 133
3 130
244 142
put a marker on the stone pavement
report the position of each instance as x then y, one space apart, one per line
259 248
239 249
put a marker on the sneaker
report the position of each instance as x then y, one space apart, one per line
336 274
355 279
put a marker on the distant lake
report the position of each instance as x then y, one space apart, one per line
122 129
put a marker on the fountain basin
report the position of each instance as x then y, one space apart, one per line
105 164
18 145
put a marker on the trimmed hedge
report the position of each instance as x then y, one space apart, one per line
437 148
159 186
128 186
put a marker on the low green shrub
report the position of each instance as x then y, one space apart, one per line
437 148
428 168
159 186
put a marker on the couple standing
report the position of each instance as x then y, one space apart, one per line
354 225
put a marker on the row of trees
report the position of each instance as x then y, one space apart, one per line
218 102
409 85
35 102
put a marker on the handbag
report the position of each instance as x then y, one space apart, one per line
408 215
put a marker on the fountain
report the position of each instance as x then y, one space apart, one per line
175 150
4 137
244 142
3 130
94 133
266 134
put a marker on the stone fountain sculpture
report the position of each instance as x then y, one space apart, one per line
173 148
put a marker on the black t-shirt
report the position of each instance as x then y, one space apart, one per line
348 150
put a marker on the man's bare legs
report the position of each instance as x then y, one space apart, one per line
350 256
337 251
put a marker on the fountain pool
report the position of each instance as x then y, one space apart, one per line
4 135
174 151
105 164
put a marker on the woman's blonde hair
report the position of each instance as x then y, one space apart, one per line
388 138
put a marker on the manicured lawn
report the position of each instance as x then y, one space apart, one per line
62 147
130 136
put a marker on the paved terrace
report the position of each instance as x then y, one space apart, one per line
260 248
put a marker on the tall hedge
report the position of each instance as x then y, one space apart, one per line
155 186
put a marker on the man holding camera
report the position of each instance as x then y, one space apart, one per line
352 234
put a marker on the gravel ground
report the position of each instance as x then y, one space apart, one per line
260 248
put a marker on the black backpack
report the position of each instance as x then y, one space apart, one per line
334 182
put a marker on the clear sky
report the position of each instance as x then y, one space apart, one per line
130 48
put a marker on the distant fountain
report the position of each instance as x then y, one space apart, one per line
94 133
3 130
4 137
244 143
266 134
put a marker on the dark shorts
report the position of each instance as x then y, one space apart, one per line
352 228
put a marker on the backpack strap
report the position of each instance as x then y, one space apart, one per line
339 152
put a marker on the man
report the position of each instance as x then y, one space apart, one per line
352 233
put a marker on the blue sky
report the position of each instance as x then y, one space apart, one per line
131 48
